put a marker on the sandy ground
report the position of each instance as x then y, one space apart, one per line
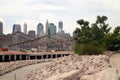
19 73
115 62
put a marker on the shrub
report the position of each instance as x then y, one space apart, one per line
88 49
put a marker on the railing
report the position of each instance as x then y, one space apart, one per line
15 57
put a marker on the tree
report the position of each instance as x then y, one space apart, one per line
117 31
96 38
77 34
80 22
101 20
112 42
83 36
89 39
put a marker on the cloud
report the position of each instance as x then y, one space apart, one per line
1 20
69 11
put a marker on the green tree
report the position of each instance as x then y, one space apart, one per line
84 35
96 38
77 33
89 40
96 32
101 22
112 42
80 22
117 31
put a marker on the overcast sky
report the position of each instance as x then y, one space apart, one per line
69 11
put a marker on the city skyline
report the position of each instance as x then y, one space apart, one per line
34 11
24 27
39 27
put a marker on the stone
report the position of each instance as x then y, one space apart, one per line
107 74
72 75
74 67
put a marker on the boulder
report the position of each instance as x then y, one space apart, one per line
107 74
72 75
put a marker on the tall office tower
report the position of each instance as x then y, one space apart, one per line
40 30
60 26
31 33
16 28
47 25
51 29
25 28
1 28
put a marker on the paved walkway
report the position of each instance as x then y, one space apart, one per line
19 73
115 62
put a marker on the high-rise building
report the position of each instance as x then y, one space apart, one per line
25 28
16 28
51 29
31 33
40 30
1 28
60 26
47 25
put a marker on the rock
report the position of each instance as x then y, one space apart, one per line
107 74
72 75
74 67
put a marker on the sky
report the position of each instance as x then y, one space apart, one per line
33 12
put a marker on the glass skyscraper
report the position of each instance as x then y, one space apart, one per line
31 33
40 30
25 28
47 25
1 28
51 29
16 28
60 26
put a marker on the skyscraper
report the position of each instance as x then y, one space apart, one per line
1 28
47 25
16 28
31 33
40 30
25 28
51 29
60 26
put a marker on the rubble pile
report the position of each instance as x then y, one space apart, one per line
74 67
